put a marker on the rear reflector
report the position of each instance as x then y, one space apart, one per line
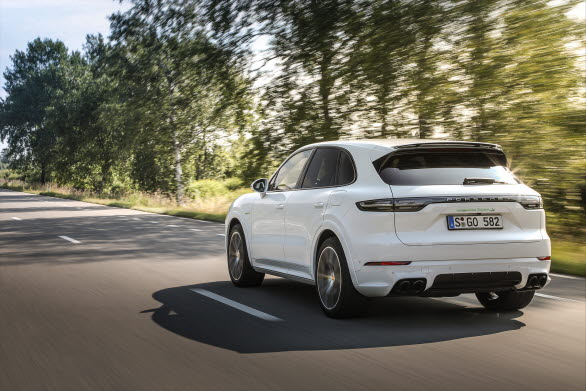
544 258
387 263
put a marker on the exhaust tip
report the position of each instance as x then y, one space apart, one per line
418 286
542 281
404 287
534 282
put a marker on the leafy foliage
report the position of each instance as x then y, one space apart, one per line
179 92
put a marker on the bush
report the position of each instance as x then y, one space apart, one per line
234 183
206 188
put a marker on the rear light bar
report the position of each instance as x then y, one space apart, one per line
544 258
414 204
387 263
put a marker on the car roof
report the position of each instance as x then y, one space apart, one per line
397 143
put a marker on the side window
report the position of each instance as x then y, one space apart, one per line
289 173
346 174
322 169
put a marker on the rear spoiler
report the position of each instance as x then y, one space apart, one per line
459 144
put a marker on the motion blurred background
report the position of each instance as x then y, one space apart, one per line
175 106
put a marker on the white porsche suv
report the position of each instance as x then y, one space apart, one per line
376 218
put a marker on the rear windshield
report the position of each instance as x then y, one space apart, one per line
444 167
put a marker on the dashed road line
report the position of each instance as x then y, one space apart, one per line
16 218
220 234
238 306
565 276
557 298
70 239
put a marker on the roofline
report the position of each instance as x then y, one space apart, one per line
471 144
409 143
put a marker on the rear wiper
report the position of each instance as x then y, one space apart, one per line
474 181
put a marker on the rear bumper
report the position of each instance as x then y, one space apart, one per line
375 281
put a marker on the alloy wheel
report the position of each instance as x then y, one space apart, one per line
329 278
235 252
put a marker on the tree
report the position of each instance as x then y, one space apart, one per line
184 86
32 85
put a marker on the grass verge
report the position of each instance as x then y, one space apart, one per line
187 212
567 257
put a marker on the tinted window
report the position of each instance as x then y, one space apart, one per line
420 168
290 171
322 169
345 169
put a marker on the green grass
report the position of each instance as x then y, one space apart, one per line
567 257
214 208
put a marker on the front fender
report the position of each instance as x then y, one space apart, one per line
241 210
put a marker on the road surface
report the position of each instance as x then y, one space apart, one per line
100 298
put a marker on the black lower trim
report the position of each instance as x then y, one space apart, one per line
456 283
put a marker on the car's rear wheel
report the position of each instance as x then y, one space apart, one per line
241 272
337 295
505 301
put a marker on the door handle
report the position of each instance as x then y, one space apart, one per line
280 206
319 204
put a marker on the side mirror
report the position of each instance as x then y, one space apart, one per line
260 185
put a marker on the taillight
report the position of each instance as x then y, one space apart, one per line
414 204
394 204
387 263
544 258
531 202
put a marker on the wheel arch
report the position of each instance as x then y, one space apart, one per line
325 232
229 226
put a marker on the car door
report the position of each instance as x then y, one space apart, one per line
305 209
268 213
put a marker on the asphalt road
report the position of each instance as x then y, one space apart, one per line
123 303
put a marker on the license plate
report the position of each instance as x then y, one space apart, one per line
475 222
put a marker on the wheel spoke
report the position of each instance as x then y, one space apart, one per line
329 277
235 252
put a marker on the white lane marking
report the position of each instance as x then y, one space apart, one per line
136 218
16 218
195 229
564 276
69 239
238 306
557 298
173 226
221 234
154 222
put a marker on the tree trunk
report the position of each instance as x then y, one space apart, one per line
178 170
43 174
105 174
424 128
325 85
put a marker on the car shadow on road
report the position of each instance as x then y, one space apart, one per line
386 322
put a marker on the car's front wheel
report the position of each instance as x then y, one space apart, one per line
241 272
337 295
505 301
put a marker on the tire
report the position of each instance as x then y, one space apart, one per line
505 301
337 296
241 272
